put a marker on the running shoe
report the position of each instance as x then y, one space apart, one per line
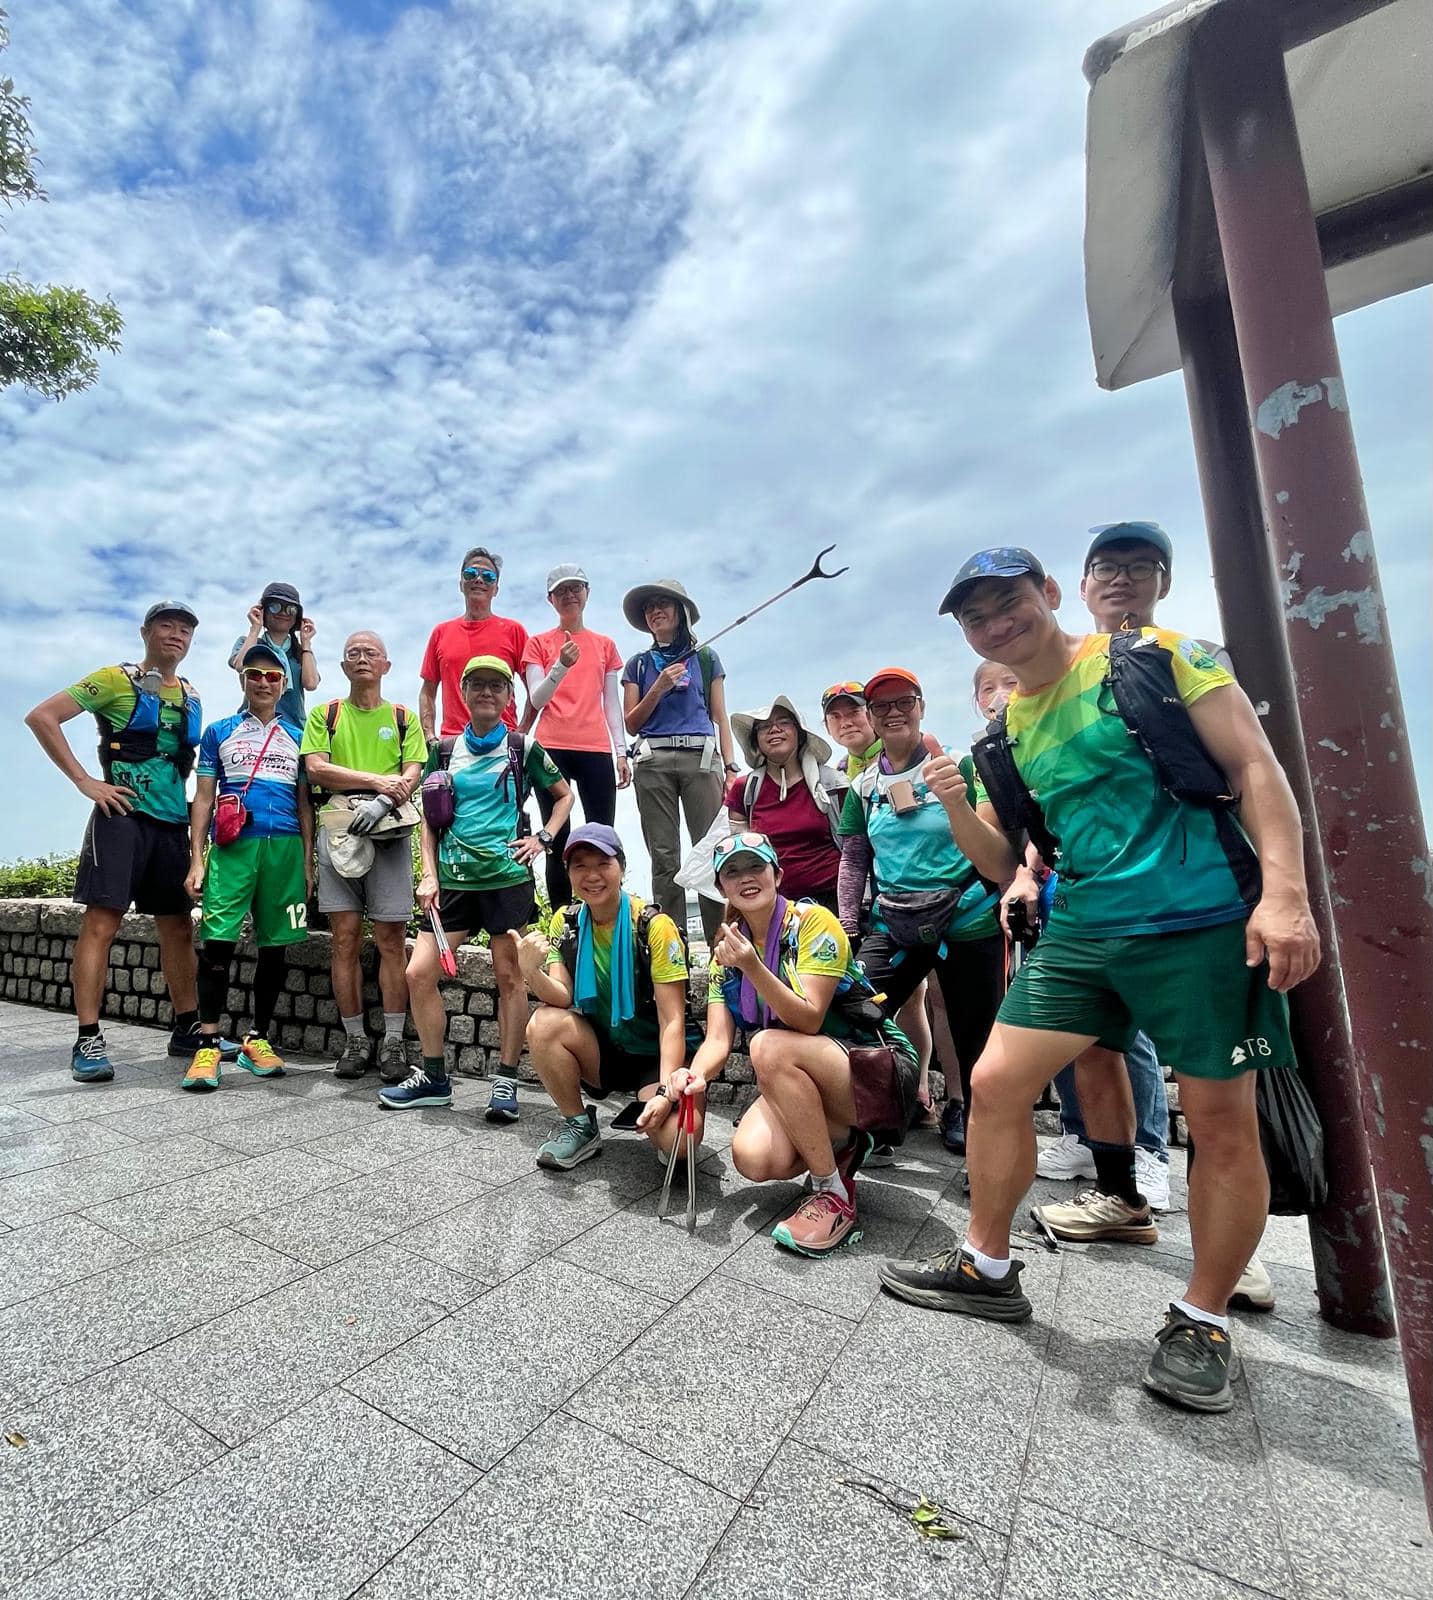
1255 1288
203 1073
258 1056
1151 1175
416 1091
357 1057
185 1041
502 1101
952 1127
823 1222
951 1281
89 1060
576 1140
1066 1158
1193 1364
1092 1215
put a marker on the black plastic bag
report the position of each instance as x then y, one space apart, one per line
1293 1141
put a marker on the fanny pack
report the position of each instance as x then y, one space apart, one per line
230 812
336 814
882 1090
919 916
440 800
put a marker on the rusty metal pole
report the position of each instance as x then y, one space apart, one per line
1346 1239
1364 789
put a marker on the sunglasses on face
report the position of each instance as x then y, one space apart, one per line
479 575
1139 571
264 675
281 608
903 703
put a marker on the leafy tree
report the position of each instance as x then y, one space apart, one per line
49 335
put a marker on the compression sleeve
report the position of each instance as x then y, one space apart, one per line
851 879
541 689
612 709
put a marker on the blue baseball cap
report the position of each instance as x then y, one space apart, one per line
262 654
749 843
1132 533
1004 561
600 837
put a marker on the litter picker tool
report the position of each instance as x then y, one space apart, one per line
686 1124
446 959
817 571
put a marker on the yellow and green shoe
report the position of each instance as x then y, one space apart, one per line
203 1073
258 1056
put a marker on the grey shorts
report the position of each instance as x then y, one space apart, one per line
383 894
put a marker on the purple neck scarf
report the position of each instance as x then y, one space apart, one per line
755 1013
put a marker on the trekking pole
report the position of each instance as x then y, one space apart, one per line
817 571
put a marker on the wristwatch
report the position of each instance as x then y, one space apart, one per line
732 768
544 838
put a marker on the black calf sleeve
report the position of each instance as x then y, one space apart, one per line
268 982
215 958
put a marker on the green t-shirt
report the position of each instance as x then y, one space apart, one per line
364 739
157 785
1133 859
473 853
639 1035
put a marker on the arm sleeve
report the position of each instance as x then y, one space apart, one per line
540 687
612 710
851 878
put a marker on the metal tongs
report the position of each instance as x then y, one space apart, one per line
686 1124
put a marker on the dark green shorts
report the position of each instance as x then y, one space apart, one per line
1208 1014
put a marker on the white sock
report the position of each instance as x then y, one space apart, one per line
987 1266
1194 1312
830 1184
393 1024
353 1027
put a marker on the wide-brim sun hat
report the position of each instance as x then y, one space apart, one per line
634 602
351 854
744 726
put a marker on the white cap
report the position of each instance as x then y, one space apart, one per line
568 572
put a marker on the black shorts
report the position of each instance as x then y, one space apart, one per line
621 1073
134 860
492 911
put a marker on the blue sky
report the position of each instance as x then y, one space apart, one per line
668 289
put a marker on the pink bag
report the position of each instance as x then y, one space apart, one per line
230 812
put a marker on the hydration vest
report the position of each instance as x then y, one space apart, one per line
1141 680
825 803
854 999
138 740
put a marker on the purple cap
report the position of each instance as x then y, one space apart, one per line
600 837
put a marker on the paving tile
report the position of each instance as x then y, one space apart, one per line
803 1535
47 1255
1052 1553
239 1096
307 1511
596 1518
50 1144
736 1366
13 1121
386 1138
939 1404
93 1180
506 1229
240 1374
324 1227
547 1331
63 1100
93 1454
187 1209
88 1326
284 1121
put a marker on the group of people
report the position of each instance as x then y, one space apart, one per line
1122 813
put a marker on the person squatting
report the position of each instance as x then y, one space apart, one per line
859 915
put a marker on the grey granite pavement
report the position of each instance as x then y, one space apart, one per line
275 1342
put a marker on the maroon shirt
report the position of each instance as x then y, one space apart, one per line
799 832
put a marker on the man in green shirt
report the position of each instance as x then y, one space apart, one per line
136 844
366 755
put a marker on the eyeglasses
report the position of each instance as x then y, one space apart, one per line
902 703
485 686
480 574
265 674
568 591
1138 571
281 608
362 653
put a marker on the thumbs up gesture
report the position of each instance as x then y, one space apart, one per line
570 650
531 948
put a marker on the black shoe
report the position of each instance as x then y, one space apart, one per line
357 1057
1193 1364
951 1282
185 1042
952 1127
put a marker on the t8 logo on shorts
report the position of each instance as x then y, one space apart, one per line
1248 1050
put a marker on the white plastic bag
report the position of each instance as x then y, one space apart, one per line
695 871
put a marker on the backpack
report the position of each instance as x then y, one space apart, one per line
1141 680
440 802
566 945
828 807
138 740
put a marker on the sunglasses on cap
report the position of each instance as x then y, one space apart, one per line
281 608
266 674
844 691
481 574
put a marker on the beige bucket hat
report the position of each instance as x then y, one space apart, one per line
634 602
745 723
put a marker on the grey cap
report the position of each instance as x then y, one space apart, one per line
566 572
172 608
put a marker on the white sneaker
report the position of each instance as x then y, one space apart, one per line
1066 1158
1152 1176
1255 1288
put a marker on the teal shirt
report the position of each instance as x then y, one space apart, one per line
474 853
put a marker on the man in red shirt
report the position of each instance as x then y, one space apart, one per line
451 645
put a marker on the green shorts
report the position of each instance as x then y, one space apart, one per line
1208 1014
265 876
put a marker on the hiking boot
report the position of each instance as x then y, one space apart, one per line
882 1155
185 1041
392 1059
952 1127
1151 1176
1066 1158
576 1140
258 1056
951 1281
357 1057
416 1091
1092 1215
203 1073
89 1060
1193 1365
502 1101
823 1222
1255 1288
